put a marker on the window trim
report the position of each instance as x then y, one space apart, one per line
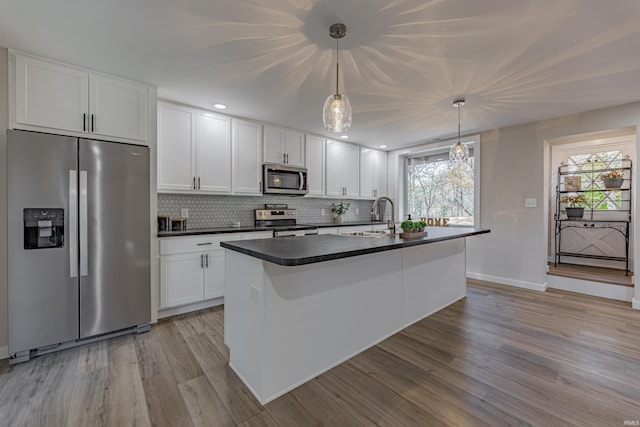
437 147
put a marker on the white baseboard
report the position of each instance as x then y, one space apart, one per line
596 289
541 287
174 311
635 303
4 353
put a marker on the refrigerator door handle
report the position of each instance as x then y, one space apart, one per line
73 224
84 256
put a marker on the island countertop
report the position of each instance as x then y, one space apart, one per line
293 251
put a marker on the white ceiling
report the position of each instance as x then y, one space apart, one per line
402 62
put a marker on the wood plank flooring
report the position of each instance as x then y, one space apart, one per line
595 274
502 356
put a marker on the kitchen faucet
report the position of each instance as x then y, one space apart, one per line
392 221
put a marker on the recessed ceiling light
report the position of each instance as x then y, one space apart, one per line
383 146
344 136
219 106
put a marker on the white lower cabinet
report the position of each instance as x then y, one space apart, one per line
192 270
181 279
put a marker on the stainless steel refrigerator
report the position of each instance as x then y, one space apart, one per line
79 241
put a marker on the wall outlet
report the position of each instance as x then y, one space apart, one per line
184 213
255 293
357 211
530 203
323 212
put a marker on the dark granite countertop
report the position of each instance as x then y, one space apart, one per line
251 228
292 251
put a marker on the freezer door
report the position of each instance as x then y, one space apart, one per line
114 237
43 285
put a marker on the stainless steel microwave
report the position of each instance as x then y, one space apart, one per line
284 180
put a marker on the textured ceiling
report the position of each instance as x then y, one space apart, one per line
402 62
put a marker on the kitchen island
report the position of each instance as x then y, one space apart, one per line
298 306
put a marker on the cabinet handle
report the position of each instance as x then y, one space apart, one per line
204 244
284 157
194 183
287 157
93 121
198 183
206 260
201 261
84 122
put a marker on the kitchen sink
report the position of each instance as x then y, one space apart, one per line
375 233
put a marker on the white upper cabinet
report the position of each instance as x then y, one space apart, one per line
283 146
194 150
373 173
51 95
213 153
65 98
176 148
117 108
246 137
343 169
315 161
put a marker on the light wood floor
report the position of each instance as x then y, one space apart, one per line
502 356
595 274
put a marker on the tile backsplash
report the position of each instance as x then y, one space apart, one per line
221 211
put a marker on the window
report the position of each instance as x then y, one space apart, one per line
435 189
584 164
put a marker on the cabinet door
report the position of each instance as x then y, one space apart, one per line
214 274
51 95
213 153
176 153
367 189
315 161
273 145
117 108
334 169
246 147
380 173
181 279
294 148
351 170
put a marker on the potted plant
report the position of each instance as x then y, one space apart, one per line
612 179
575 206
340 209
421 225
408 226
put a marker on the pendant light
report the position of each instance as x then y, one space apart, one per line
459 152
336 114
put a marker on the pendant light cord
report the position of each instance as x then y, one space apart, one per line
337 64
459 108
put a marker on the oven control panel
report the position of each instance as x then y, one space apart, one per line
275 214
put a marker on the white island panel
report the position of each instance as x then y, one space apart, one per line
433 278
284 325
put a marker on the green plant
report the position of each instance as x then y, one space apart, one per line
408 225
612 174
575 201
340 208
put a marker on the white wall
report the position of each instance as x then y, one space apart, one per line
513 169
4 123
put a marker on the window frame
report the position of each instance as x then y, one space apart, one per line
434 148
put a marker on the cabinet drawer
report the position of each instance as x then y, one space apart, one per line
177 245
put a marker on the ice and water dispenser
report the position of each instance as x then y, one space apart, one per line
43 228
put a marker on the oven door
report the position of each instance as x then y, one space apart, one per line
285 180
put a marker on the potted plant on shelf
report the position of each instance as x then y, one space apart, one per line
612 179
339 209
575 206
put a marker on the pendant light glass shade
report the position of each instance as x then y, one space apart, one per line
336 114
459 152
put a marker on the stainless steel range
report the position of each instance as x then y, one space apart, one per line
283 221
